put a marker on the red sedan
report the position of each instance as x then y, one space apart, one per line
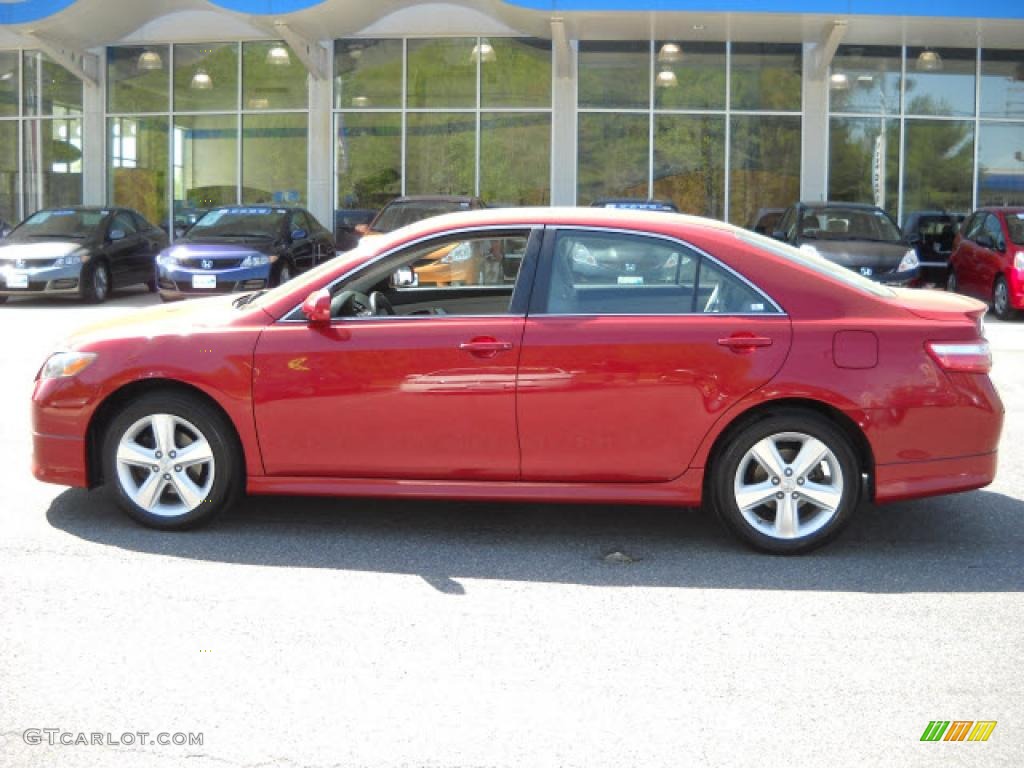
614 356
988 259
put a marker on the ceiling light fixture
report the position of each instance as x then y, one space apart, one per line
201 80
278 56
666 79
483 51
929 61
149 61
670 53
839 81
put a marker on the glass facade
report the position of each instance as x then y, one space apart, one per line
193 126
40 135
914 129
716 128
442 116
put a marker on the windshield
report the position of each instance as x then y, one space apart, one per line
399 215
67 223
849 224
1015 223
239 222
817 263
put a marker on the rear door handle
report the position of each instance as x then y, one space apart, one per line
485 347
745 343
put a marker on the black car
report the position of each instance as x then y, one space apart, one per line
349 224
766 220
931 233
860 237
412 208
636 204
243 248
80 251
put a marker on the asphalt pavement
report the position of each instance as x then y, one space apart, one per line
315 632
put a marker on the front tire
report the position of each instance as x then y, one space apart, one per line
96 283
786 484
172 460
1001 300
952 284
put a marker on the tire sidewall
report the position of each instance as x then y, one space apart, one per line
228 475
727 463
88 283
1006 312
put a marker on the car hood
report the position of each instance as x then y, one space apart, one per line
219 250
176 319
45 249
860 253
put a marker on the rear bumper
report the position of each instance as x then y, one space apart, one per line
58 459
916 479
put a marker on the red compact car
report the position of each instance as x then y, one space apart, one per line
988 259
612 356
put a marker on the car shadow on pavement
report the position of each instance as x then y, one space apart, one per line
970 542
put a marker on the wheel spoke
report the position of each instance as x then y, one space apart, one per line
148 494
787 521
811 454
190 494
198 452
749 496
130 452
825 496
163 432
767 455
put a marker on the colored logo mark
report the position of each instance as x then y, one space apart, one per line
958 730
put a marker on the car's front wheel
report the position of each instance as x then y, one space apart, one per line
172 460
1001 300
786 484
95 283
952 285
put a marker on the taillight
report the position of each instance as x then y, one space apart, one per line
961 356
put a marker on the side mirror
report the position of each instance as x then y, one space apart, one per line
317 307
362 229
299 234
404 278
116 234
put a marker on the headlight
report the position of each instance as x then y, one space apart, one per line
909 261
63 365
1018 261
166 260
460 252
255 260
73 259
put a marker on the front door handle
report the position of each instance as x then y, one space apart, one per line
744 342
485 346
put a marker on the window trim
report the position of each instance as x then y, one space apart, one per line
547 254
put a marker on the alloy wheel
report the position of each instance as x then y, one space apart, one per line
165 465
100 282
1001 299
788 485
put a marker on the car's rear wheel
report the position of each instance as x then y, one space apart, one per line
172 460
786 484
1001 300
95 283
952 285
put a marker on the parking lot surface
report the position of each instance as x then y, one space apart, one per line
314 632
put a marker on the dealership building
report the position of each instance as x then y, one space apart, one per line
724 106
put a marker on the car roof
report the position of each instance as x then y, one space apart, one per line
434 199
818 204
83 208
611 201
256 205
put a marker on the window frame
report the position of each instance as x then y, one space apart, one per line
542 280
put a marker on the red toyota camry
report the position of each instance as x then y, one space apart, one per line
601 356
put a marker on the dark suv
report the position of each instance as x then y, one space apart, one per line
860 237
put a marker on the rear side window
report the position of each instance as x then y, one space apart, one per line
610 273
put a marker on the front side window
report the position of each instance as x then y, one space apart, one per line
473 274
606 273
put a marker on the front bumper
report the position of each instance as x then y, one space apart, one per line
179 282
902 279
40 281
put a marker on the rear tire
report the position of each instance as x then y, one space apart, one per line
797 478
952 284
172 461
95 283
1001 300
